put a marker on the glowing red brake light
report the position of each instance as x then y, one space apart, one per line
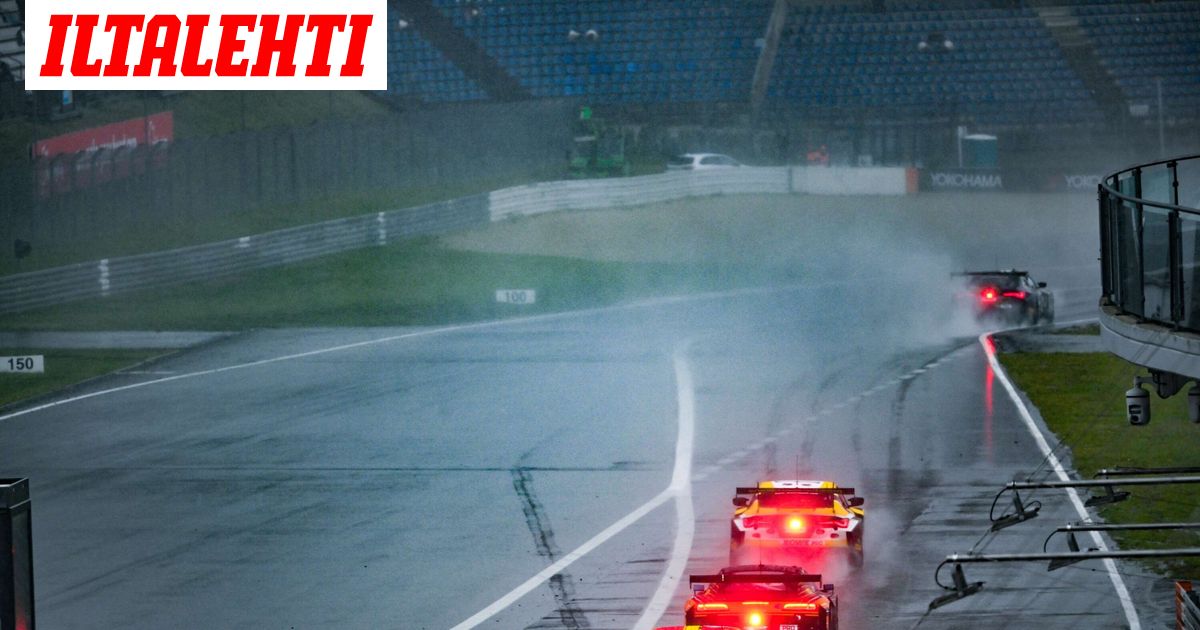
988 295
754 522
796 524
800 606
713 606
841 523
1020 295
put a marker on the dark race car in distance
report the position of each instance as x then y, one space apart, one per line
762 597
1007 296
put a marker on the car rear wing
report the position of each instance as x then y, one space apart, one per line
998 272
756 578
741 490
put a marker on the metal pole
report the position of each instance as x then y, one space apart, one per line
1110 527
1162 142
1124 471
1101 483
1183 552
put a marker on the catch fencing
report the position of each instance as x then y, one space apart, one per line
200 185
25 291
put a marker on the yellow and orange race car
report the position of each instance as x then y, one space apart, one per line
795 518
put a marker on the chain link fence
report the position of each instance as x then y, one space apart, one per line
199 185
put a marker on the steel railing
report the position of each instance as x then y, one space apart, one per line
1187 607
1150 241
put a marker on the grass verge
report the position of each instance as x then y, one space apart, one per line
65 368
416 282
1079 395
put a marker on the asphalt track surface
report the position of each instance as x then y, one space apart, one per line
414 478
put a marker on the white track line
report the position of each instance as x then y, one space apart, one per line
1118 582
419 333
680 489
545 574
681 484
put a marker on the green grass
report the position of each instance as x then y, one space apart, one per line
65 368
1080 397
409 283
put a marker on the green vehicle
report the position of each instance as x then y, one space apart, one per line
597 150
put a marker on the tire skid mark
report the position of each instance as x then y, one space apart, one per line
569 613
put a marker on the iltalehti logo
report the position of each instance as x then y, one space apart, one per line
206 45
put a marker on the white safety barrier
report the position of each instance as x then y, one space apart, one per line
594 194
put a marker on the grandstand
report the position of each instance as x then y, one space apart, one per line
983 62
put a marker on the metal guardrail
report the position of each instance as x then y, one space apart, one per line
1150 241
1187 607
106 277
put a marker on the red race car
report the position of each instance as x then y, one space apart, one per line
762 597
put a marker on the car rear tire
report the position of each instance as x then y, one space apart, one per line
857 556
736 538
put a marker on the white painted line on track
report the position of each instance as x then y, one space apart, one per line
680 490
545 574
409 335
1118 582
681 485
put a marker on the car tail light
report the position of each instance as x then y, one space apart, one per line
711 607
800 606
988 295
754 522
795 524
754 619
841 523
1020 295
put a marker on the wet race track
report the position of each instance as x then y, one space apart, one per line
544 472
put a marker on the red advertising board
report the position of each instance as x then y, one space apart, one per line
92 156
131 133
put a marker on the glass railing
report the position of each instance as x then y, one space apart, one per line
1150 241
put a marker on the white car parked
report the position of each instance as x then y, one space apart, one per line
701 162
